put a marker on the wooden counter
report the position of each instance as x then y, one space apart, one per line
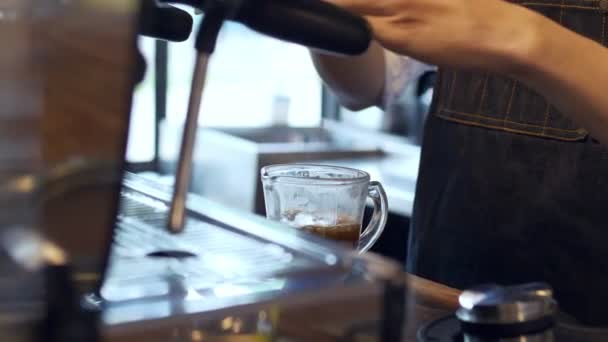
426 301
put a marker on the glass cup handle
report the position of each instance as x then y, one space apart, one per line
374 229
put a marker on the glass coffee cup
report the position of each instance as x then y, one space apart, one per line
328 201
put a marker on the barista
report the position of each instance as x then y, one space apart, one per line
513 183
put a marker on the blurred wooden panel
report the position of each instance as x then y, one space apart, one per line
66 78
20 90
89 74
88 66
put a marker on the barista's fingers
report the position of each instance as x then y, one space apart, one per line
391 37
383 26
365 7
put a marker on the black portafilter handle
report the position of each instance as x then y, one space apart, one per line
315 24
165 22
312 23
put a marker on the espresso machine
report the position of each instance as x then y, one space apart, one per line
90 252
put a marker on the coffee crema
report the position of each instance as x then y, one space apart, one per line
343 229
346 233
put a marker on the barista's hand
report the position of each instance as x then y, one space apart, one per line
493 35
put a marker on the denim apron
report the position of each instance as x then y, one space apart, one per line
510 189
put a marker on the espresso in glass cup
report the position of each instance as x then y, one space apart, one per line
328 201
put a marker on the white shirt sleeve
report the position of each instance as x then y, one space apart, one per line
400 71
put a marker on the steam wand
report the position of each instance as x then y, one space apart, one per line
215 14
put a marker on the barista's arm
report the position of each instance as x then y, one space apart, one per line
357 82
373 79
570 70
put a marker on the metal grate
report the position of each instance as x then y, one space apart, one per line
221 255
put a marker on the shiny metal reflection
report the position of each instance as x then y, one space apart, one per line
493 304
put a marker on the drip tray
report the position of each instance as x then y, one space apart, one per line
208 258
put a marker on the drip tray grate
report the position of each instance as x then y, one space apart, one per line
204 255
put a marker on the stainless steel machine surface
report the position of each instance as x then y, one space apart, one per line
228 263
